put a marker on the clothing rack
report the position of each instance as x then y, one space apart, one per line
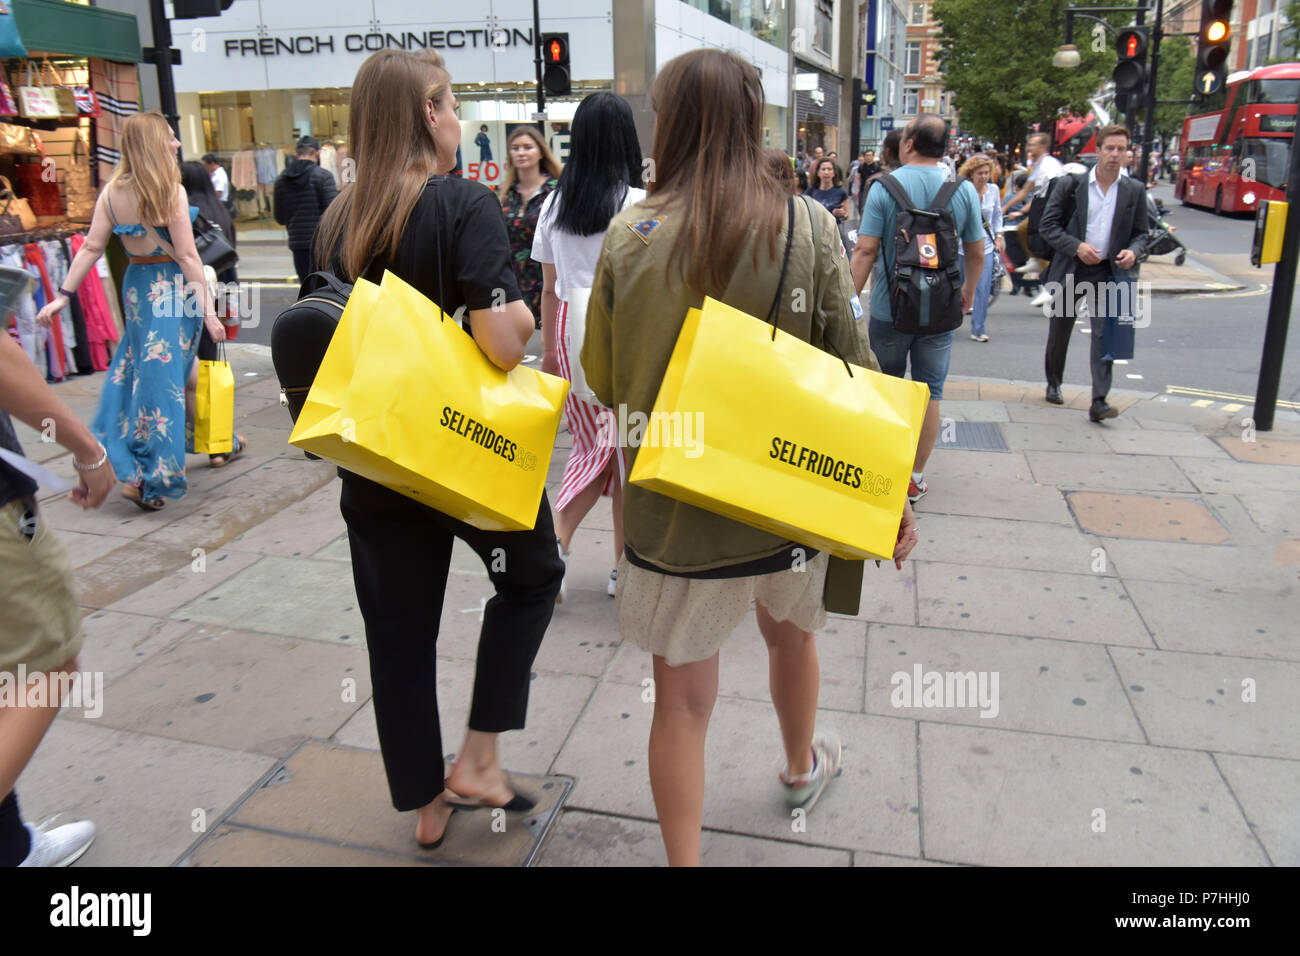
41 233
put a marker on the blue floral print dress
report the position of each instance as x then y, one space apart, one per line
141 417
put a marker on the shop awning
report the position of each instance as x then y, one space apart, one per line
55 26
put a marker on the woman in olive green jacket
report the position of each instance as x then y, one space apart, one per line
715 223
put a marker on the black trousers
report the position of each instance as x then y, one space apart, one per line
302 263
1086 277
401 553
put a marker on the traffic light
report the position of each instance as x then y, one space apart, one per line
1131 71
1212 46
555 63
193 9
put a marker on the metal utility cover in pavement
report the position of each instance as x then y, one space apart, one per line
973 436
328 805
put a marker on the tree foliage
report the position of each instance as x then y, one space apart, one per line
997 61
1174 81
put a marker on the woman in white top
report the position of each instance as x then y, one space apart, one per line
979 170
604 160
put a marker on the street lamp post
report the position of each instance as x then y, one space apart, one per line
1067 57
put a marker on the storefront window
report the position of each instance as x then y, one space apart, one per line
765 19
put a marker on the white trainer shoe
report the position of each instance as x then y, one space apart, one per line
564 556
60 846
804 792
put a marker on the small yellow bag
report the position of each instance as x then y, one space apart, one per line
823 458
406 398
214 409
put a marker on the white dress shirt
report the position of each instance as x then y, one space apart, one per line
220 183
1101 213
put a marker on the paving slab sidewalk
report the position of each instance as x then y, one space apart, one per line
1124 594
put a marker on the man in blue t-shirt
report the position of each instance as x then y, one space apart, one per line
921 175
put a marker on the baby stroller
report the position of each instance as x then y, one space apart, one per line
1160 237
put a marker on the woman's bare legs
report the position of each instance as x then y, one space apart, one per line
794 676
567 520
684 698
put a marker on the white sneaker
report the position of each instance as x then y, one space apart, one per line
60 846
1040 300
612 588
564 556
805 791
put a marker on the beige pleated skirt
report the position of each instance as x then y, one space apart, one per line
689 619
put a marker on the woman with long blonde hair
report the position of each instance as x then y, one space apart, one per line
444 236
141 419
532 174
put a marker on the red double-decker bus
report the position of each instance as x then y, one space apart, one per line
1238 157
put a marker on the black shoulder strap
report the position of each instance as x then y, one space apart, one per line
945 194
774 313
896 190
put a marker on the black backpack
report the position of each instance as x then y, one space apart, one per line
1038 246
925 289
302 332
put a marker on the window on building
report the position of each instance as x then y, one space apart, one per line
824 14
911 98
1250 54
913 65
918 14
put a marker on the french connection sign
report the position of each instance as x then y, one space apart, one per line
304 44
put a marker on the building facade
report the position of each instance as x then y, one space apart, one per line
923 89
882 37
265 73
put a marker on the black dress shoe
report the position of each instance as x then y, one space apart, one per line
1101 410
1054 395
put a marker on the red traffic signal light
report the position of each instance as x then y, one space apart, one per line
555 63
1130 74
1132 43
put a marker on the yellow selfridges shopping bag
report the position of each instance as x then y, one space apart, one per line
406 398
214 408
794 440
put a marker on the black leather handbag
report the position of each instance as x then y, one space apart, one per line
213 247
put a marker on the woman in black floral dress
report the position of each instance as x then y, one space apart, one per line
531 173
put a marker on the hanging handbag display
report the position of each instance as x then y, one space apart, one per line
19 140
41 190
8 102
87 102
37 101
78 192
11 205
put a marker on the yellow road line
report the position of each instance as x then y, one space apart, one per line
1223 397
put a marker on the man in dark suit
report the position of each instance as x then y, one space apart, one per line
1097 223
